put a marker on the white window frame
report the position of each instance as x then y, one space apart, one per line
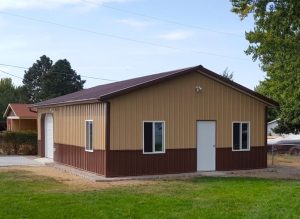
249 135
85 147
153 137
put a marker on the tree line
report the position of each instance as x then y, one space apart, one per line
42 81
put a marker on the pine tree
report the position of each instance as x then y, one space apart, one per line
227 74
60 80
32 78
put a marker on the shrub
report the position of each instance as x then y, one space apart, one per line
2 125
21 142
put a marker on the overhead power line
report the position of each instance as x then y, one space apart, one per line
161 19
14 66
16 76
118 37
84 76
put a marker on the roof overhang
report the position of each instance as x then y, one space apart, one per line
66 103
13 117
22 117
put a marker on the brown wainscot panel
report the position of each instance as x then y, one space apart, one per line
226 159
134 162
77 157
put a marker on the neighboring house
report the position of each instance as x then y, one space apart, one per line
20 117
271 125
185 120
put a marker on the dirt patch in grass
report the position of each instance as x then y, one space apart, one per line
284 167
285 160
73 182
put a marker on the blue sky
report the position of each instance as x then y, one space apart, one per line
211 36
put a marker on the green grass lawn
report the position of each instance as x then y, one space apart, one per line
23 195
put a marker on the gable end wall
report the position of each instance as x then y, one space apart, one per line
177 103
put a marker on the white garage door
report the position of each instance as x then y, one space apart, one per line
49 136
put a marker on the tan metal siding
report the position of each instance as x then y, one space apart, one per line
177 103
69 124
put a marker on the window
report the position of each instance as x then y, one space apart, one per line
241 136
154 137
89 135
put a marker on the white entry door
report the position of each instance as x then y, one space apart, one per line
49 136
206 150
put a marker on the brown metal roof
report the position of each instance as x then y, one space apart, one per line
20 110
107 91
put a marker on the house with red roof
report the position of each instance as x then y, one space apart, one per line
19 117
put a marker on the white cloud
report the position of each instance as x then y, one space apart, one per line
49 4
134 23
176 35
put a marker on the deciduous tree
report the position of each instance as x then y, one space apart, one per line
275 42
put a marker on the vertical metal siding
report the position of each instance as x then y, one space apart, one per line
69 124
177 103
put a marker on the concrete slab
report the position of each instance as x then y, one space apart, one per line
15 160
44 160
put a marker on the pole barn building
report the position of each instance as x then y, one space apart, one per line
179 121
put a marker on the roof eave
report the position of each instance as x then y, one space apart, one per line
22 117
65 103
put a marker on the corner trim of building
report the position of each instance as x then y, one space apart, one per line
107 139
266 126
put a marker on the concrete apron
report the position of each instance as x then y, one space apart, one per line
17 160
